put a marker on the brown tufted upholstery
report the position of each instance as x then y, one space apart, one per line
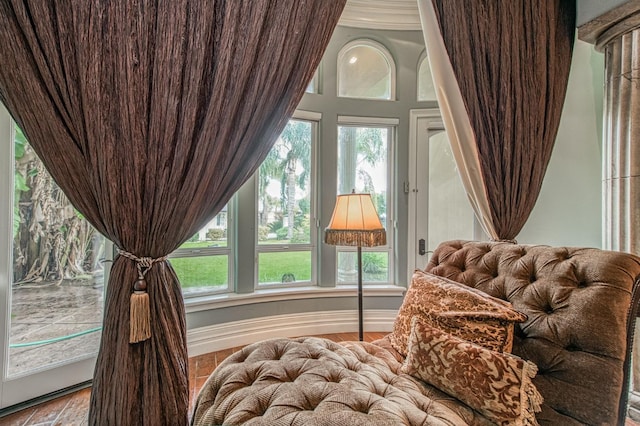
313 382
578 302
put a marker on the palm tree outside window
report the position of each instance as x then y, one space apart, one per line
286 237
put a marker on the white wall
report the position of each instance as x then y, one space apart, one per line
569 208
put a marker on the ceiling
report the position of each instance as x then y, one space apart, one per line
403 14
381 14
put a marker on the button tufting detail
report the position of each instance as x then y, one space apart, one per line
553 343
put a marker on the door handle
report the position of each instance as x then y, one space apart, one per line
421 247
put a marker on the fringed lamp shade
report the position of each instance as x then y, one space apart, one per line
355 222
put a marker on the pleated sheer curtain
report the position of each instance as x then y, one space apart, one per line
501 69
150 115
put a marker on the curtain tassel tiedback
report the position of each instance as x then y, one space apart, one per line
139 311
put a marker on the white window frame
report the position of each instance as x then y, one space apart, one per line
383 51
391 225
214 251
314 119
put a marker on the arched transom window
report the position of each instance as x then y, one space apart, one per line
426 89
366 70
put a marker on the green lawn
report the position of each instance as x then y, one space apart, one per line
203 271
211 271
276 267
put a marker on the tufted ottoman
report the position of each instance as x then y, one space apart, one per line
312 381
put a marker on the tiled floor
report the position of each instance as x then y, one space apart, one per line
73 409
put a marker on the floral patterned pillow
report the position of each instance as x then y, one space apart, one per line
495 384
458 309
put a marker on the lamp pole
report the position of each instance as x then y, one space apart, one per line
360 322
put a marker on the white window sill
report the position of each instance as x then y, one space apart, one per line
203 303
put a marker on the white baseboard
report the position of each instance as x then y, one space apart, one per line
238 333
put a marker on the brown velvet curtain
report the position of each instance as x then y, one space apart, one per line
150 115
511 60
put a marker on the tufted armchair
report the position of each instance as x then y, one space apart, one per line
581 304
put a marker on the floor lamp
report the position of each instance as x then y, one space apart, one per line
355 222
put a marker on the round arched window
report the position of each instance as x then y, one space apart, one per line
366 70
426 88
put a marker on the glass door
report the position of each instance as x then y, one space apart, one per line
450 216
438 204
53 269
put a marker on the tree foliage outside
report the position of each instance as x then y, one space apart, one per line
289 164
51 240
286 218
216 234
372 148
361 151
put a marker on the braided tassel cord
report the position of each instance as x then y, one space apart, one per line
139 310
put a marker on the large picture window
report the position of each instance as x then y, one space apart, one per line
365 166
285 209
